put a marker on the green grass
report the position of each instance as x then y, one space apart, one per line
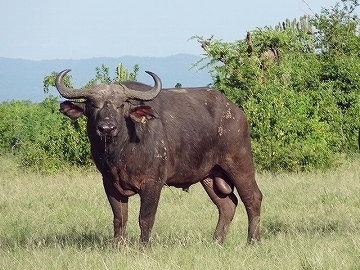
309 221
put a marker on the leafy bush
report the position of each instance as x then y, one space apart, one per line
61 142
42 138
299 88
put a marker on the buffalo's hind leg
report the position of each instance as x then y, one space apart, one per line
242 174
251 197
226 204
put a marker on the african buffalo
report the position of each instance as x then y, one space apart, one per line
144 137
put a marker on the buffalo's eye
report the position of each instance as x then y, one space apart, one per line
120 106
95 105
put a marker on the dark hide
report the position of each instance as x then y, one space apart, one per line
181 137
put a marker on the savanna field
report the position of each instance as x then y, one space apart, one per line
63 221
303 108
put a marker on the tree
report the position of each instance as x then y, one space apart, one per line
302 104
338 43
102 75
121 74
337 29
49 81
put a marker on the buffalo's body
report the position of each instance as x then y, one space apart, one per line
177 137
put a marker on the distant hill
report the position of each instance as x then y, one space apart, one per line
23 79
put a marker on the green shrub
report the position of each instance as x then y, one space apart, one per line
42 138
300 88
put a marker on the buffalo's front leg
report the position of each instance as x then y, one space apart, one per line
149 200
119 206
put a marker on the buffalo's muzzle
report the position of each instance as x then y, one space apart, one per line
107 130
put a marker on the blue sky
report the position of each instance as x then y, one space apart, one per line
70 29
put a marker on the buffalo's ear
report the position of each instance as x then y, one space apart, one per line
72 109
143 113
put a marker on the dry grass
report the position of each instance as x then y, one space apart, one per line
309 221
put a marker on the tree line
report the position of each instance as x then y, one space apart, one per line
298 82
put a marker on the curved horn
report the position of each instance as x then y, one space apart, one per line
68 92
147 95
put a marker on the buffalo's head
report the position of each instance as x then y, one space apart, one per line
107 106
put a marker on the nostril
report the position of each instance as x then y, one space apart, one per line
103 128
106 129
